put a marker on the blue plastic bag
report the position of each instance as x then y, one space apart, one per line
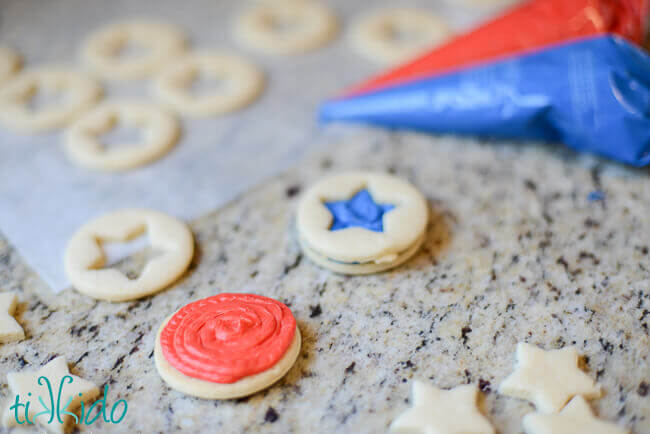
591 94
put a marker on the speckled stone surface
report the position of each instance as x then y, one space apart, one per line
515 252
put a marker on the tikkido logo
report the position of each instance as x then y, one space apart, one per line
56 412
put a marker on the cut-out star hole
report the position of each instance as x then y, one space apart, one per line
360 210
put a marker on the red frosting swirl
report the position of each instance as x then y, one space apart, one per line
226 337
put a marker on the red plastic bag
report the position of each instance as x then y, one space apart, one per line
528 27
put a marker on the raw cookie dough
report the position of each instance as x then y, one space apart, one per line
83 145
240 81
10 63
10 330
286 27
84 257
439 411
79 92
402 209
228 353
161 42
575 418
23 383
549 379
395 35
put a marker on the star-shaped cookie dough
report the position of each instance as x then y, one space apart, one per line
437 411
22 384
575 418
10 330
548 378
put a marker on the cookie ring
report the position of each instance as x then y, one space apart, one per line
400 230
101 50
10 63
81 93
311 25
378 36
195 334
247 82
84 256
83 147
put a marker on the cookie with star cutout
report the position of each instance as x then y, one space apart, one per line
361 222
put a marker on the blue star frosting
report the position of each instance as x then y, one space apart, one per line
359 211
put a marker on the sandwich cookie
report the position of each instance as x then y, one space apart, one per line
361 222
227 346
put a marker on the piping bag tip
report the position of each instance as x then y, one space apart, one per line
591 94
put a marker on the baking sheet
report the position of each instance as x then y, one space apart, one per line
44 198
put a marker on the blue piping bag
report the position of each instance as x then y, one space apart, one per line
591 94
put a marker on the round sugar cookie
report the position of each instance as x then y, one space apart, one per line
286 27
395 35
240 81
227 346
361 222
158 42
10 63
84 257
84 147
78 92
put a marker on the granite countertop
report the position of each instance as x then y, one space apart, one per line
515 252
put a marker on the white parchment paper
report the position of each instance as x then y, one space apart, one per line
44 197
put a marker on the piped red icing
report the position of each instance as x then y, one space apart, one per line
226 337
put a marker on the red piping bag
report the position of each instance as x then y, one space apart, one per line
525 28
